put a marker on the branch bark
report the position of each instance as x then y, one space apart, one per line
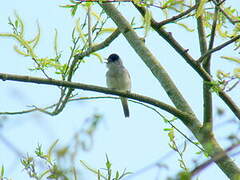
194 64
210 144
148 58
186 117
207 94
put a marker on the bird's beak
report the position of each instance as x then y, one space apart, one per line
106 60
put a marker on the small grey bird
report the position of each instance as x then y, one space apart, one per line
118 78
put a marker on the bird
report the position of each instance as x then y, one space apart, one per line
118 77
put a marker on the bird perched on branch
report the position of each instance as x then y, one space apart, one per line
118 78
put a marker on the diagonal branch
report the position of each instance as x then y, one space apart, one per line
174 18
218 48
92 49
66 92
194 64
199 168
148 58
210 144
224 13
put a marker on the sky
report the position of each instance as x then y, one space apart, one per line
133 143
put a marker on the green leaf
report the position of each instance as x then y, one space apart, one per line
56 42
199 152
93 13
184 175
97 172
168 129
80 31
236 72
237 60
19 51
20 24
99 176
106 30
147 22
2 171
88 4
16 23
185 27
117 175
67 6
36 39
98 56
200 8
38 151
108 163
171 135
51 149
40 176
73 10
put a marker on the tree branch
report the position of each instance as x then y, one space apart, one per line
174 18
201 35
148 58
224 13
194 64
207 95
185 117
210 144
218 48
218 156
66 95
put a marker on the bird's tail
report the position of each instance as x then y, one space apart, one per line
125 106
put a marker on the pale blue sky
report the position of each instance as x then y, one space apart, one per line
130 143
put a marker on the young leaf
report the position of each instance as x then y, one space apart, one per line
51 149
56 42
108 163
74 10
2 171
147 22
200 8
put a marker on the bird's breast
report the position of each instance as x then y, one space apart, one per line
118 79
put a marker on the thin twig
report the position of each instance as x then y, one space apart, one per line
174 18
224 13
39 66
218 48
215 158
89 26
191 61
11 146
74 65
207 94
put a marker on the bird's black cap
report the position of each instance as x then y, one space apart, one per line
113 57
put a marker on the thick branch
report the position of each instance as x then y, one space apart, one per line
209 143
194 64
185 117
148 58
